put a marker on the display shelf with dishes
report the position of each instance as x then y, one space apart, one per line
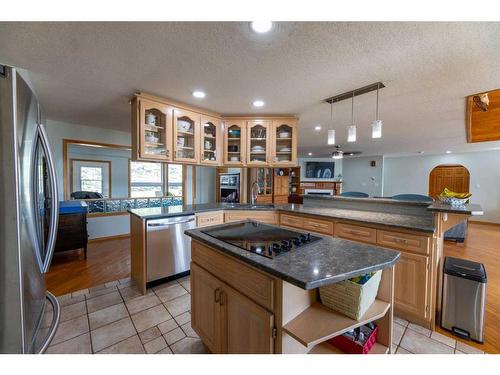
186 128
152 137
211 131
258 142
234 140
284 143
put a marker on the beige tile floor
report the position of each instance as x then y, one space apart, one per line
116 318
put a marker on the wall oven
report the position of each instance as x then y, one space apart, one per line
229 187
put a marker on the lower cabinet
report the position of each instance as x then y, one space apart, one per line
227 321
411 291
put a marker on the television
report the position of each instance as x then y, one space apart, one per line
320 170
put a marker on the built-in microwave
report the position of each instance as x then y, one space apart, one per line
229 189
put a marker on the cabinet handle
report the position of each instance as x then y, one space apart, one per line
222 298
400 240
217 295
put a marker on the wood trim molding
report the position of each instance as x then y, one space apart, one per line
67 142
101 214
71 161
480 222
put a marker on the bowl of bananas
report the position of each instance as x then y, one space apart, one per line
454 199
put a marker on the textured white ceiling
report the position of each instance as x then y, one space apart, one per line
86 72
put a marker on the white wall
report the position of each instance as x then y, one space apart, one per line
205 184
359 175
411 175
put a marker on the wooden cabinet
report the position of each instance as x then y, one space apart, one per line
186 130
247 328
211 140
258 143
404 241
72 233
151 131
356 232
209 218
412 291
284 142
234 143
205 308
226 320
269 217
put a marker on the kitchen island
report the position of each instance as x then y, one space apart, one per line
248 298
413 228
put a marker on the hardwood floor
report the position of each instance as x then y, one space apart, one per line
483 245
106 261
110 260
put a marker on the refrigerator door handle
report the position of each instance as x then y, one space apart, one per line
56 308
54 217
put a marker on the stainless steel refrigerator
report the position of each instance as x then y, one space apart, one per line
28 220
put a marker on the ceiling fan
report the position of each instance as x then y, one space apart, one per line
339 154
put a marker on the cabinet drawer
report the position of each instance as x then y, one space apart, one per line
292 221
248 281
318 226
269 217
404 241
209 218
356 232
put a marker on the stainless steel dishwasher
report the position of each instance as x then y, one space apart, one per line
168 248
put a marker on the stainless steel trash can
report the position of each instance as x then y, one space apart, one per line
464 297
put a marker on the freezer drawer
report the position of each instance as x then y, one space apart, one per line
168 249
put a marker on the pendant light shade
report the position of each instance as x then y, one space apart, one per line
377 129
351 133
331 132
331 137
377 124
351 130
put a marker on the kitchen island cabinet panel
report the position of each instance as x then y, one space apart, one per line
247 327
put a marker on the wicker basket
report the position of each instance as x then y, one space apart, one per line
349 298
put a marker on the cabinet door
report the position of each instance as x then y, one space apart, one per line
284 143
205 308
411 285
247 327
186 126
258 143
211 141
234 143
154 131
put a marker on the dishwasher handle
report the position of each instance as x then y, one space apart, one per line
168 223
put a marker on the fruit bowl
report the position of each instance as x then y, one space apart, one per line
452 201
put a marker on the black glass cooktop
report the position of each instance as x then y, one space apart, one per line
262 239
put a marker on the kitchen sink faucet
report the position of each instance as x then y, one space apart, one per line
252 190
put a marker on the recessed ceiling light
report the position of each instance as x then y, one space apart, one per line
258 103
199 94
317 127
309 153
262 26
448 152
421 152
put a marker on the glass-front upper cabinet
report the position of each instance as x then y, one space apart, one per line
186 126
284 142
211 140
234 142
152 139
258 142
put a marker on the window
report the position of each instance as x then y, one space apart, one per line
91 179
146 179
174 186
155 180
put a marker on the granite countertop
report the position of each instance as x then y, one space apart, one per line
412 222
468 209
317 264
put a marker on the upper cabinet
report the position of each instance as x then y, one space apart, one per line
258 142
152 131
211 140
164 131
284 143
234 142
186 127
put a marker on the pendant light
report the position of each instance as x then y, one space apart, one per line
331 132
377 124
351 131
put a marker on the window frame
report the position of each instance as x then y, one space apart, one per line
101 180
165 183
72 172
